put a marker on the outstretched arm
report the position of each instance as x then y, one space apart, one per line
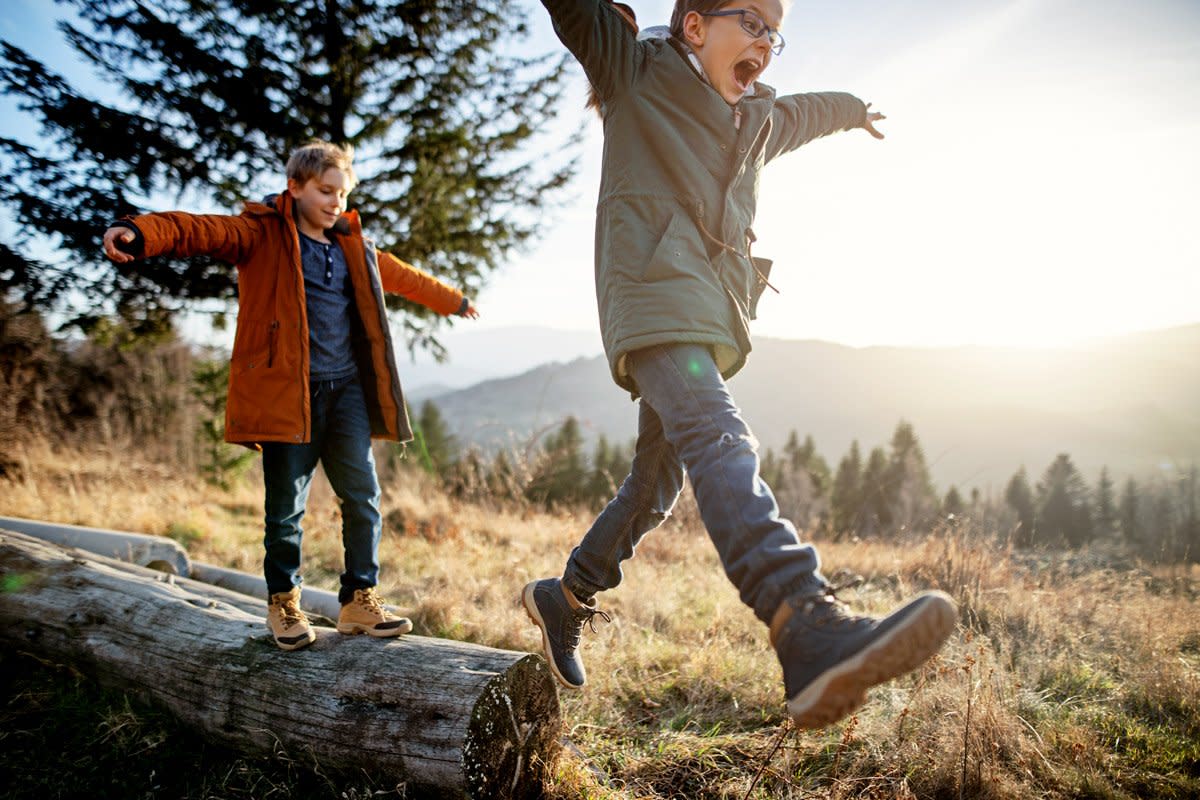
800 118
177 233
603 43
400 277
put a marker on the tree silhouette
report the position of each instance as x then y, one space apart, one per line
907 488
1019 496
875 516
437 447
1129 511
209 96
847 493
1063 510
1106 511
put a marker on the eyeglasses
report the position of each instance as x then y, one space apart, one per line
752 24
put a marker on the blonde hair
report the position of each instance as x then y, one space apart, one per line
311 160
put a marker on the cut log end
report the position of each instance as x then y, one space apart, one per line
513 736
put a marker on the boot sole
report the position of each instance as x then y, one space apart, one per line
536 617
289 646
841 689
355 628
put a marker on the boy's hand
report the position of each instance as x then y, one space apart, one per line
111 237
471 313
872 118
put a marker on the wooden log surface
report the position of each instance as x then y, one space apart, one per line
465 720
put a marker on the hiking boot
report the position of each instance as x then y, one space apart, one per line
365 614
555 610
830 657
287 622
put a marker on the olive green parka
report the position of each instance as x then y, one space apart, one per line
679 187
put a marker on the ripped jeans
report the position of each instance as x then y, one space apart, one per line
688 420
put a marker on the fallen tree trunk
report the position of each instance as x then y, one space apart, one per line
156 552
163 554
464 719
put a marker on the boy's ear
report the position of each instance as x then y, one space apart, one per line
294 187
694 29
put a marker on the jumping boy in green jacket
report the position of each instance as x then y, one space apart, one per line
687 131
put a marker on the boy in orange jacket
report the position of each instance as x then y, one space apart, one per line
312 375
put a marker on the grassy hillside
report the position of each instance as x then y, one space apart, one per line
1069 676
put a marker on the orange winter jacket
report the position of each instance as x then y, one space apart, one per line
268 397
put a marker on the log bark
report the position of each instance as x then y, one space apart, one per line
466 720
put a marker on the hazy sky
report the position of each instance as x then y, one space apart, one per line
1037 184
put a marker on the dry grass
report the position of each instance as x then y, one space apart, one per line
1065 678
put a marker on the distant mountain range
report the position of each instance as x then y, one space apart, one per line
1130 402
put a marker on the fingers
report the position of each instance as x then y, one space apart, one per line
872 118
111 236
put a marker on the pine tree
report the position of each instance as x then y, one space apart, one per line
847 491
907 489
1019 496
435 444
1063 509
805 457
876 511
209 96
1106 512
1129 512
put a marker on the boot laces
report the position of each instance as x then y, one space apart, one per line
290 613
370 600
826 609
579 617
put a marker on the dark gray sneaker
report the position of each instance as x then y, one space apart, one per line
830 657
561 618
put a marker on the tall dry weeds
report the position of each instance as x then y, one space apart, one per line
1066 678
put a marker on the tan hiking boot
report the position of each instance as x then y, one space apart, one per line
366 614
287 622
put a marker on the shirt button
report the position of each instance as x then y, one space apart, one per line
724 147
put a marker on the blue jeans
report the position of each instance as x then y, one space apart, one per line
341 441
688 420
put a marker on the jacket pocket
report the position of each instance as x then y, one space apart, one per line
272 338
758 282
679 252
253 346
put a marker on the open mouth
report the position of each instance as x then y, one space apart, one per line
745 71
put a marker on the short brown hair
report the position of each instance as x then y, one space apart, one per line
311 160
682 7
